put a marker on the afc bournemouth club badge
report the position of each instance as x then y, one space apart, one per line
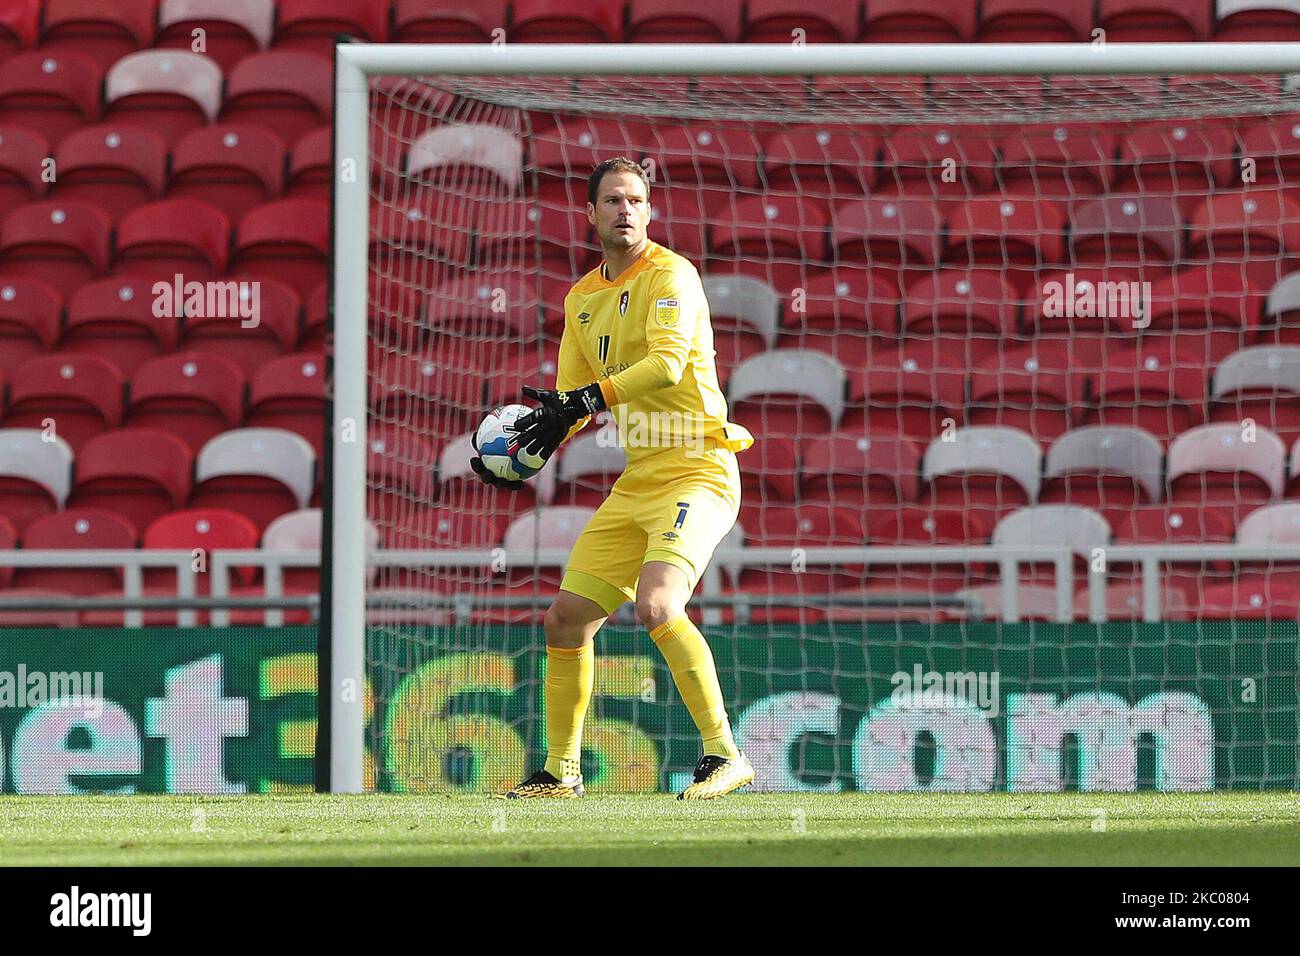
622 304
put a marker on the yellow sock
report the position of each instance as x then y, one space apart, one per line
570 673
691 663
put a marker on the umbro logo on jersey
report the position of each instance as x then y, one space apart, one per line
670 535
622 304
584 318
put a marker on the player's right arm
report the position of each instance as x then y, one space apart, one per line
571 372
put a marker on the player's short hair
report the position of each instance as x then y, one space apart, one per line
619 164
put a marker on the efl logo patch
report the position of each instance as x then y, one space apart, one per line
667 312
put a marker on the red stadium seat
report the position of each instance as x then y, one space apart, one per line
182 237
808 525
970 312
948 164
1172 158
528 368
75 395
1256 232
139 474
898 21
1206 312
402 467
312 25
1089 308
289 393
232 167
64 244
1275 147
927 527
483 305
1024 21
509 234
104 32
681 21
261 473
1153 387
1153 21
193 395
285 92
707 153
76 528
1013 234
848 311
169 91
1065 162
911 391
1128 234
29 320
1104 467
437 388
115 318
1037 388
866 471
22 161
116 167
35 475
775 226
18 20
315 320
768 471
1266 21
262 327
773 21
887 232
311 166
824 164
678 219
987 469
447 21
287 240
789 393
1260 383
558 21
232 29
1216 468
51 93
204 529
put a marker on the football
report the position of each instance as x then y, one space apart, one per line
495 441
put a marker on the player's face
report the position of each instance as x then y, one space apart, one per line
621 212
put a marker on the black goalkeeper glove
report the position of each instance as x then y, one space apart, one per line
485 476
542 429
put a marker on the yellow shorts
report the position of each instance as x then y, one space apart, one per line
673 507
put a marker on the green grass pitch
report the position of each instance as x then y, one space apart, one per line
1225 829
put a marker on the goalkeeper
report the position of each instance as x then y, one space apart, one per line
637 340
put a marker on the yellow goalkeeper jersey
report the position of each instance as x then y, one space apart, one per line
647 338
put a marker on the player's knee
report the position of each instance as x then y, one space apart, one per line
654 610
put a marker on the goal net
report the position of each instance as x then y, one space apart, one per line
1021 354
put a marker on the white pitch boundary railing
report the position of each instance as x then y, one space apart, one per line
1148 560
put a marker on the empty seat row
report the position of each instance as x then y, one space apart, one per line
119 167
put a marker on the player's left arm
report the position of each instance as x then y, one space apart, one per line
676 302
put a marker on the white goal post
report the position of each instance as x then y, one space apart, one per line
343 667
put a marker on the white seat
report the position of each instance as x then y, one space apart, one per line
1082 529
266 452
176 72
804 372
746 300
469 144
24 453
986 449
1110 450
1223 448
555 527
